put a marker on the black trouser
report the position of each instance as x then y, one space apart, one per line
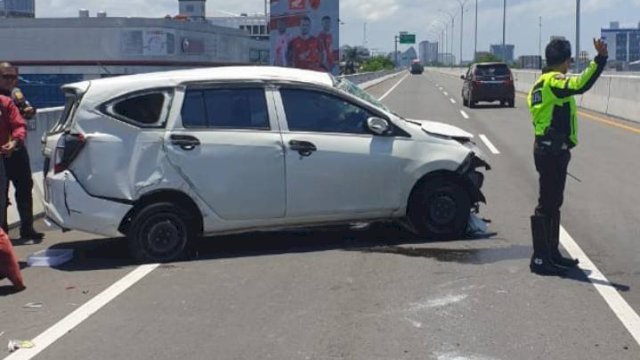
552 168
18 168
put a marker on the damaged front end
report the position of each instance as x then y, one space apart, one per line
473 178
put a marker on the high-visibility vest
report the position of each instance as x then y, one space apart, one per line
553 106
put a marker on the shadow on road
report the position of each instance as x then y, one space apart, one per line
383 238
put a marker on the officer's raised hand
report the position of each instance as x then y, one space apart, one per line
601 47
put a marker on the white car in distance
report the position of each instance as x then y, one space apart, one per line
165 158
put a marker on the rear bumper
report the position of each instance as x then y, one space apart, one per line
69 206
491 93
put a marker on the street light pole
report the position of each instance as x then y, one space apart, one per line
578 68
475 41
504 31
395 38
462 4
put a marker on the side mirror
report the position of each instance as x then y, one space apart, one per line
378 126
463 77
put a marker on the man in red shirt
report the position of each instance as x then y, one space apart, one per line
13 130
304 50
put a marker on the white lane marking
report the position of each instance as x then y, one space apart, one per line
446 93
616 302
464 114
486 141
81 314
452 101
393 88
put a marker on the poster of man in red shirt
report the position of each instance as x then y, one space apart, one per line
312 34
305 50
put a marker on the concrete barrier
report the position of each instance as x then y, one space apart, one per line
624 98
615 95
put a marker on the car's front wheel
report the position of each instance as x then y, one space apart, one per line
439 208
159 233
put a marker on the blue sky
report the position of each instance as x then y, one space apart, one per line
385 18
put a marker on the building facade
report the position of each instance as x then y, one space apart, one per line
624 43
116 46
257 26
428 52
17 8
506 55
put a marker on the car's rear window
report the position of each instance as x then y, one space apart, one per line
492 70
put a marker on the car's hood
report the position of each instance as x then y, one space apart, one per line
442 129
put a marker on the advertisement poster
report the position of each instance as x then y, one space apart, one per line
304 34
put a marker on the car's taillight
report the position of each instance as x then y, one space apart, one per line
67 149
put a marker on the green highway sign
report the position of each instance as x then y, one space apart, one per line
407 38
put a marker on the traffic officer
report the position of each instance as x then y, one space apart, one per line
18 165
553 108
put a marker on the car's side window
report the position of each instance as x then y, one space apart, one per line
142 109
225 108
309 110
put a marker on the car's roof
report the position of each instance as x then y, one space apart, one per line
223 73
490 64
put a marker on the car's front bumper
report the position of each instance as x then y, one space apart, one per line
69 206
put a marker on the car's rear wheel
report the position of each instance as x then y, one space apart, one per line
511 103
439 208
470 100
465 102
159 233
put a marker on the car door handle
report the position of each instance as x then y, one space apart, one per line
304 148
186 142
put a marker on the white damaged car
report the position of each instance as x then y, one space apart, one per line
166 158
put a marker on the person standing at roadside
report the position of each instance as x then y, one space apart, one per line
12 134
553 107
18 165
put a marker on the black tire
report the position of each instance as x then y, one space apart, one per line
159 232
472 103
439 209
465 102
511 103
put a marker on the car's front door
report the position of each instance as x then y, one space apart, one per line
335 166
229 150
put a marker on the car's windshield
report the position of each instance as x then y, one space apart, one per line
353 89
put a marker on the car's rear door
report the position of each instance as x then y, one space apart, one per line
229 150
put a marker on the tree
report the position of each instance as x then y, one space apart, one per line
377 63
353 56
488 58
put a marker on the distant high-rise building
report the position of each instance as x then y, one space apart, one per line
530 62
17 8
428 52
624 43
505 54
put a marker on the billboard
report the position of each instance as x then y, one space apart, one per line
304 34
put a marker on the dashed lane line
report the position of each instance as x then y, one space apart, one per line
464 114
488 143
452 101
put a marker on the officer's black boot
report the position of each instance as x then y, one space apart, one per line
540 261
554 243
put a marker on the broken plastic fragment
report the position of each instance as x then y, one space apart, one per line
19 344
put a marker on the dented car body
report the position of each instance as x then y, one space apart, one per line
165 158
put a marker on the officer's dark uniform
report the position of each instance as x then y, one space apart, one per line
553 107
18 168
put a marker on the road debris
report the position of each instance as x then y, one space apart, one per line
33 305
19 344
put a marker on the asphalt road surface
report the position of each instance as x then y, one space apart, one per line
373 294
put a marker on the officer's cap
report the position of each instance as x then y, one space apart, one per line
558 51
